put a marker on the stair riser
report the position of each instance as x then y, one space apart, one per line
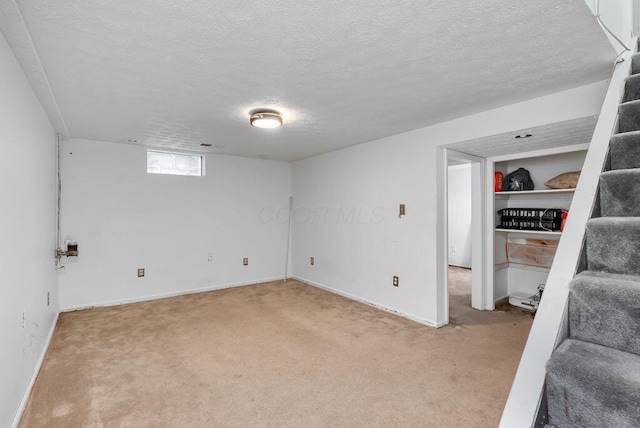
629 117
632 89
606 312
620 194
635 64
614 246
624 151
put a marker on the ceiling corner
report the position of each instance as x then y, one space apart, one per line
17 33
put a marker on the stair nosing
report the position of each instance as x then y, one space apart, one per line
632 102
579 342
617 219
621 171
620 135
635 76
606 276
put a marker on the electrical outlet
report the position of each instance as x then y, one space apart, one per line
402 209
210 257
312 261
48 298
140 272
245 261
396 281
454 248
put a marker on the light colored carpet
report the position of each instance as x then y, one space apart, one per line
273 355
459 293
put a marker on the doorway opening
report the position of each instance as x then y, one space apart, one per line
459 237
461 276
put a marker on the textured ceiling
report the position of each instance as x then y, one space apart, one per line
559 134
173 74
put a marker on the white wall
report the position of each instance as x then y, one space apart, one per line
124 218
459 212
359 255
617 15
27 227
346 216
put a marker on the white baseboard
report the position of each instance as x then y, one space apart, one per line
34 376
441 324
169 294
368 302
460 266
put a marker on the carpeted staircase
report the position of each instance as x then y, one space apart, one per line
593 377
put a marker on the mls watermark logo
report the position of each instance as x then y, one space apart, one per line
356 214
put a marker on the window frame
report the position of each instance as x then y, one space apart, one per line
202 157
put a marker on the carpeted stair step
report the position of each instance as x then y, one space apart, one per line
605 309
629 116
590 385
613 245
624 150
632 88
620 193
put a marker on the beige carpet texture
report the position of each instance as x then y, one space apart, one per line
280 354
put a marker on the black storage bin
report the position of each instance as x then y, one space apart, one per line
531 218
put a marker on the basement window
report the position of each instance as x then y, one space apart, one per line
174 163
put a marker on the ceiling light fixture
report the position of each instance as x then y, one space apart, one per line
523 136
266 119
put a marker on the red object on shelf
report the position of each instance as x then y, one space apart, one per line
564 216
498 181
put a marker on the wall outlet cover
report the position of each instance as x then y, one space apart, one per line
312 261
396 281
140 272
245 261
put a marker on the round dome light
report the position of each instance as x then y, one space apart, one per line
266 119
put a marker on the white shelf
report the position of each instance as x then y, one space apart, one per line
535 192
542 165
529 232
